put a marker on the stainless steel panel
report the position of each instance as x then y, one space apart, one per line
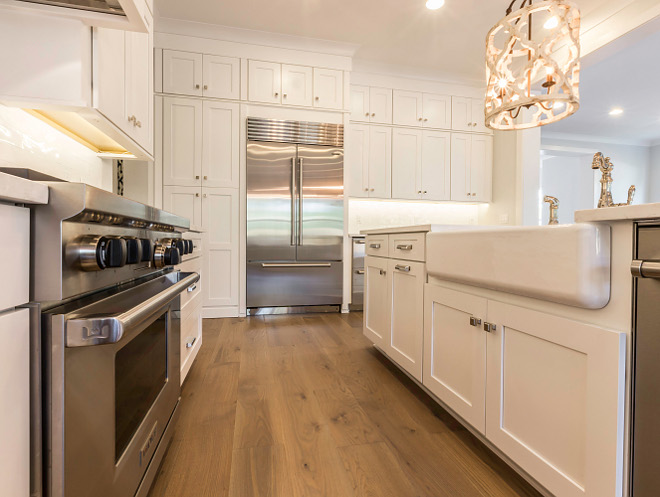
646 372
321 204
270 207
310 133
357 274
294 285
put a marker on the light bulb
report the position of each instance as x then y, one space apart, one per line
616 111
434 4
553 22
549 70
502 83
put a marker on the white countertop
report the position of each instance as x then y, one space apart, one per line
421 228
625 212
22 191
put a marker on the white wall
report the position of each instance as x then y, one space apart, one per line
27 142
374 214
653 190
571 182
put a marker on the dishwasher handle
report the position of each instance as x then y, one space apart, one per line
645 269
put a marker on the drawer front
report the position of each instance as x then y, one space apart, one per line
191 265
378 245
191 333
408 246
191 292
192 304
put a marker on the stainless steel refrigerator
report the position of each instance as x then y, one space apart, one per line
295 213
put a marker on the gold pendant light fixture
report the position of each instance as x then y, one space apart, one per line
520 54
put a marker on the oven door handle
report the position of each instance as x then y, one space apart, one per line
104 330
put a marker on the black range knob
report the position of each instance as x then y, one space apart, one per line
180 245
172 256
190 246
111 252
147 249
133 250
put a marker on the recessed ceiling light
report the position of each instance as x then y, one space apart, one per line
616 111
553 22
434 4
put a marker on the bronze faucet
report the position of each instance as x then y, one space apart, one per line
606 166
554 207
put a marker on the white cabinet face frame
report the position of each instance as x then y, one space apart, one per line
297 85
407 108
380 162
377 298
182 141
436 165
328 88
360 104
220 220
220 154
380 105
221 77
182 72
437 111
555 399
185 201
407 163
407 322
264 82
455 352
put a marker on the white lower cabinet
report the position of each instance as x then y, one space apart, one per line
15 394
545 390
455 352
393 316
377 301
407 315
555 399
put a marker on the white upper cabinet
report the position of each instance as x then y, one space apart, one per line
357 160
139 84
221 77
264 82
471 167
182 141
360 103
328 88
182 72
372 105
220 163
369 149
436 165
297 85
110 97
406 163
436 111
407 108
467 114
187 73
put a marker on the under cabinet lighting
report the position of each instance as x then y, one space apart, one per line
434 4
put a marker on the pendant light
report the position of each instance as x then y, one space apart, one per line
518 57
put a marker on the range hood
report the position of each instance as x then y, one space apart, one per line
103 6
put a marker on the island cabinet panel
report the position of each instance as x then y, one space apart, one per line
555 399
455 351
377 295
407 315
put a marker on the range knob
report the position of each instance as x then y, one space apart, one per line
172 256
147 250
180 245
133 250
190 246
166 256
111 252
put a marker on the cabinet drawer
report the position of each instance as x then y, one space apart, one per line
191 337
377 245
190 293
408 246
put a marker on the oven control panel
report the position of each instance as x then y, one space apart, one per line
98 252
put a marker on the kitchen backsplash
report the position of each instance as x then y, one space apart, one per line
27 142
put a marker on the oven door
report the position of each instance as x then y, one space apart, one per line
114 378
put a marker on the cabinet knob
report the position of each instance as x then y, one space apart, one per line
425 192
474 124
420 119
206 177
197 87
205 195
277 94
206 87
469 194
366 189
196 177
419 191
284 95
371 190
425 119
373 114
367 114
316 98
196 194
474 194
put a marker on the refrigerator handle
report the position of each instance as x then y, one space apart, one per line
293 201
300 203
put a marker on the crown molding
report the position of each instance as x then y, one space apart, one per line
252 37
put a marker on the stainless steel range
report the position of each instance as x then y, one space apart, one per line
104 271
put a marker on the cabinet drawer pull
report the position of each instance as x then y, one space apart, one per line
400 267
358 242
489 327
359 271
190 343
474 321
374 245
404 247
192 288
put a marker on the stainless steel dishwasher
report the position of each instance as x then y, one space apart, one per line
357 274
645 453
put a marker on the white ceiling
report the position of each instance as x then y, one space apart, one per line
628 78
448 41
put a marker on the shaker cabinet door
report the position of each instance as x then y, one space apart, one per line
407 108
461 114
139 84
481 167
220 157
380 162
436 165
182 73
328 88
184 201
406 163
360 104
377 294
357 157
221 77
297 85
264 82
380 105
437 111
461 148
182 141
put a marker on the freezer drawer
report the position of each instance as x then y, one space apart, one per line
288 284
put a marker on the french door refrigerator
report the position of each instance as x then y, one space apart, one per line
295 213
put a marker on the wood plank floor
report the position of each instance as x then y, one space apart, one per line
303 406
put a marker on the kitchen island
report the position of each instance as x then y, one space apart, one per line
523 333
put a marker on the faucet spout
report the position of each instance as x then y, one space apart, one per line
554 208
